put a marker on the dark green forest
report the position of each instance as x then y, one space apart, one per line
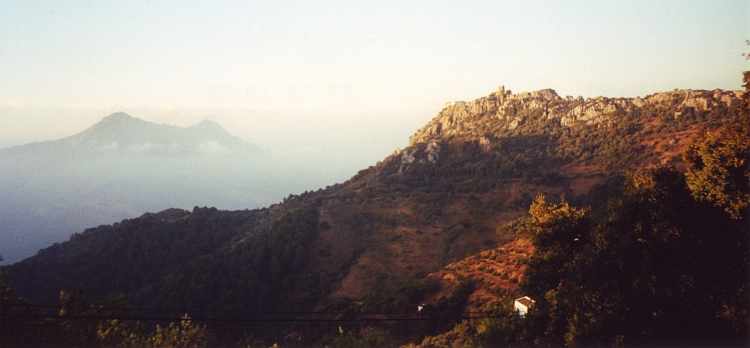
660 269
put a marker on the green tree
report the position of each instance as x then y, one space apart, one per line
720 171
185 335
74 326
660 268
720 160
559 232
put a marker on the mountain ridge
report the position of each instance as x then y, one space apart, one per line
419 227
512 110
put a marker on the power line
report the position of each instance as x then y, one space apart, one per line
219 311
248 320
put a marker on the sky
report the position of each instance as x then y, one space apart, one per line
344 81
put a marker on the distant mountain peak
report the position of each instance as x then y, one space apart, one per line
118 117
120 133
208 125
113 126
117 120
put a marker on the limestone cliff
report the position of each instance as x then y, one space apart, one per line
507 110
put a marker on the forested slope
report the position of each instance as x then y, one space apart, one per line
398 234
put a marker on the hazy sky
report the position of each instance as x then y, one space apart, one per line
350 79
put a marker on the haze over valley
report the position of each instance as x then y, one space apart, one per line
122 167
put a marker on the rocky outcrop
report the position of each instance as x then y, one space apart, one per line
513 110
431 154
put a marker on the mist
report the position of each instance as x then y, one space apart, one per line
123 167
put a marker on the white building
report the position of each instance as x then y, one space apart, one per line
448 104
523 304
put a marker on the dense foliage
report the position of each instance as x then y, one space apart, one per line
131 255
81 321
661 268
720 172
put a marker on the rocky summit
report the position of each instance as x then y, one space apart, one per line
508 110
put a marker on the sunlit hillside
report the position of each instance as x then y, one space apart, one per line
443 224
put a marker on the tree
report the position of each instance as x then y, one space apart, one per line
720 160
73 327
720 171
660 268
559 232
186 335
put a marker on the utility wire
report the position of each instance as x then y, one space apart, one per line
88 317
216 311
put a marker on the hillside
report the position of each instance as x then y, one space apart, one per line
421 226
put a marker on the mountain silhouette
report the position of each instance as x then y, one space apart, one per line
122 134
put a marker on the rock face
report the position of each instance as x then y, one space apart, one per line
512 110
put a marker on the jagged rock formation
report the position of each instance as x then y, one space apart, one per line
508 110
